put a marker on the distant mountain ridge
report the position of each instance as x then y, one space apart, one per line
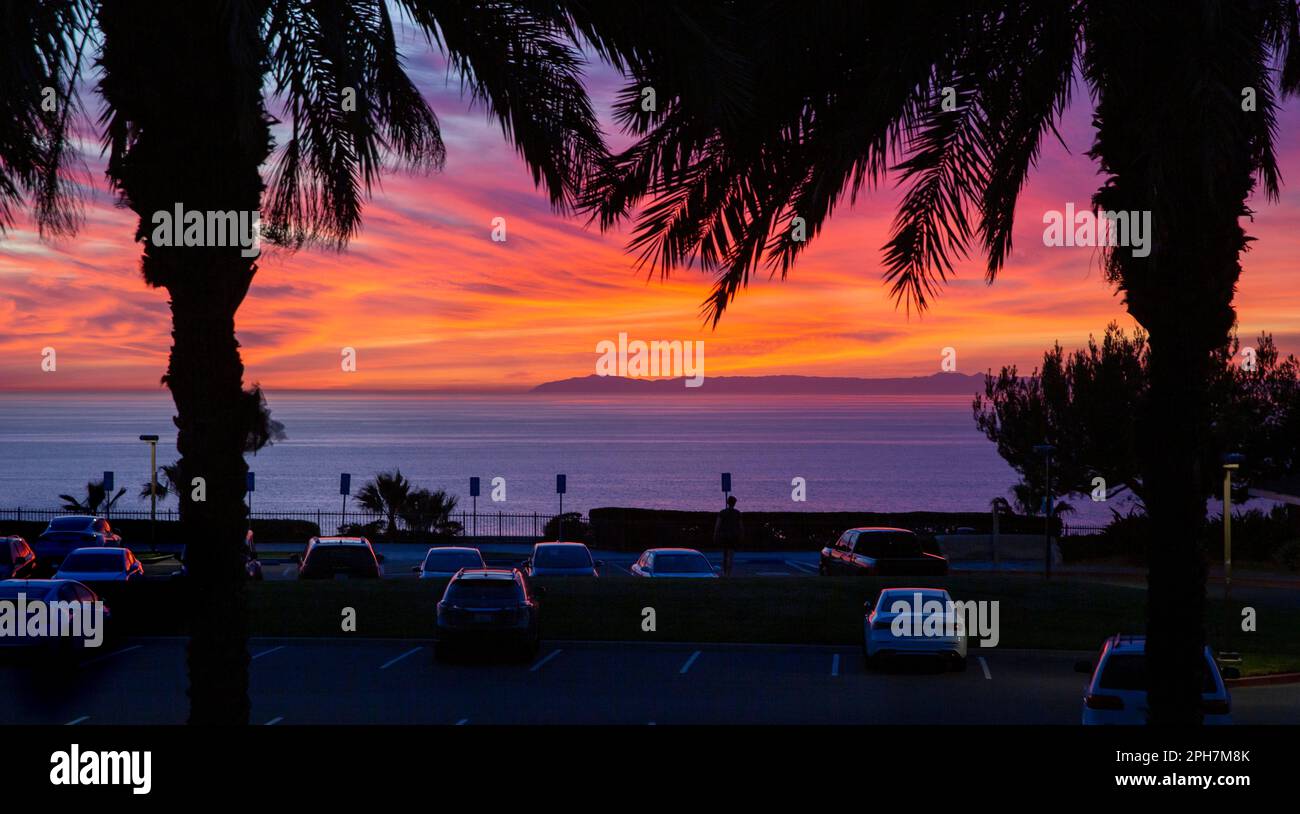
936 384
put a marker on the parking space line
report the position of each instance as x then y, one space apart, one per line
800 566
111 655
396 659
985 665
545 659
688 663
835 665
76 721
277 719
257 656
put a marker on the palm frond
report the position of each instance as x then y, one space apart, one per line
321 55
41 48
527 73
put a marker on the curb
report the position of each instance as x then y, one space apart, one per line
1262 681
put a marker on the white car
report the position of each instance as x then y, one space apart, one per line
1117 694
914 622
100 564
675 563
445 561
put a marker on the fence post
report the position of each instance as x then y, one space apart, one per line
994 539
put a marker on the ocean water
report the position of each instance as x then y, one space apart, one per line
870 453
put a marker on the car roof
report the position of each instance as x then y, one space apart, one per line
672 551
915 590
881 529
98 549
452 548
340 541
480 574
557 543
46 584
75 517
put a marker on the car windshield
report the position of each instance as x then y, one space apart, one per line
562 556
68 524
484 592
93 561
888 544
451 561
5 557
682 564
887 598
351 556
1128 671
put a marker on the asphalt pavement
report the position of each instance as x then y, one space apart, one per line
390 681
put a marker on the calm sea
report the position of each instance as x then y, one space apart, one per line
877 453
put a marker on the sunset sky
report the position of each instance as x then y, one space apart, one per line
429 301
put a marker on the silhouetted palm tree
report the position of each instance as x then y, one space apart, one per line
388 494
169 479
792 108
96 499
428 512
185 123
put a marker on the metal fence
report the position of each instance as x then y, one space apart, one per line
1071 530
472 524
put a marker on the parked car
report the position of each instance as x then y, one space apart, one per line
895 626
562 560
881 552
69 532
443 562
17 560
252 565
675 563
339 558
100 565
1117 691
492 607
50 591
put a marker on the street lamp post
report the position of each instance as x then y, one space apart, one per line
152 441
1046 451
1231 461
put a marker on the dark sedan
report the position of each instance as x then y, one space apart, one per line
68 533
881 552
490 607
562 560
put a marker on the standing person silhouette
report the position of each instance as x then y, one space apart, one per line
728 532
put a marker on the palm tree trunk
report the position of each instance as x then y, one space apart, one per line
205 377
183 82
1174 429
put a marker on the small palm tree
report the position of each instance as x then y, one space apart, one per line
389 494
428 512
168 477
96 498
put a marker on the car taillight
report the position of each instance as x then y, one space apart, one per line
1093 701
1216 706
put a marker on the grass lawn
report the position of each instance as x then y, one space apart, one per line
1061 615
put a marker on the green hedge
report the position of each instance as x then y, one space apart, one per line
621 529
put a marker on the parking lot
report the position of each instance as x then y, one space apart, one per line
391 681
